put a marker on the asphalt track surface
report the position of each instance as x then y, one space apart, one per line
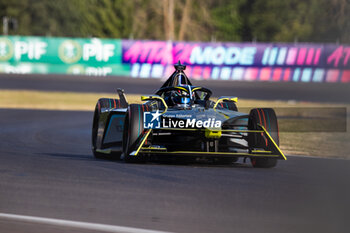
315 92
47 170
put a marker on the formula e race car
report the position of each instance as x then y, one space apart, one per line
181 121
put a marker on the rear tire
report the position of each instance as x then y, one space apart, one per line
133 128
102 104
230 105
268 119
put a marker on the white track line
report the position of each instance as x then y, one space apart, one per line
75 224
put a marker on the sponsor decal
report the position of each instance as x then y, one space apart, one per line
155 120
94 71
98 50
6 49
151 120
340 56
69 51
221 55
276 62
76 69
32 50
20 69
190 123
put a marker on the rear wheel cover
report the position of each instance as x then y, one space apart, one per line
102 103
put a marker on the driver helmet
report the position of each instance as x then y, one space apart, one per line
185 100
181 98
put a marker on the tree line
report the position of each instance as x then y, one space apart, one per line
190 20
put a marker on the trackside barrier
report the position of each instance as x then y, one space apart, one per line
46 55
277 62
240 61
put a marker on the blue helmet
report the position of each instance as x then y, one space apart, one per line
185 100
181 98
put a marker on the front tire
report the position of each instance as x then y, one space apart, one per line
133 129
268 119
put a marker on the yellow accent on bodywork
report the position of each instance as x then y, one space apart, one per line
212 133
212 153
181 88
156 97
143 141
229 98
261 151
154 148
271 139
196 88
222 130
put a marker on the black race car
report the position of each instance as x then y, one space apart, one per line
181 121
